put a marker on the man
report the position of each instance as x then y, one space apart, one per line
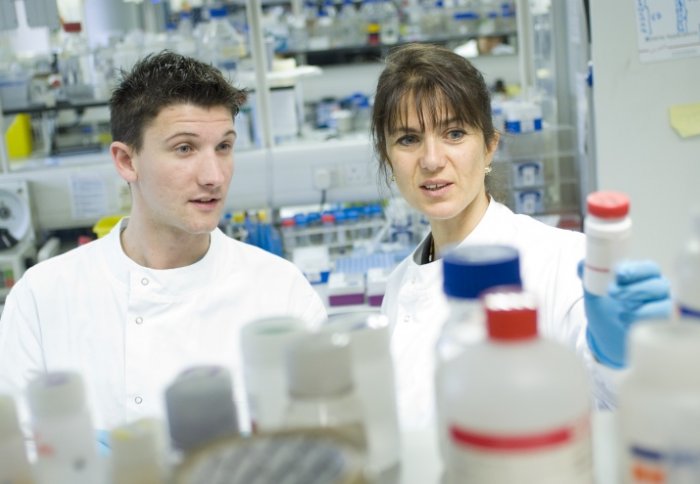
165 289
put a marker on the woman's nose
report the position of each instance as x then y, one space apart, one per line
433 156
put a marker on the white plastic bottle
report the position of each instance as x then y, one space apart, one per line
608 228
200 407
63 431
14 463
467 272
264 343
687 274
659 405
373 374
321 388
519 410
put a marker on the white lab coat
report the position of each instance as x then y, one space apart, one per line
415 304
129 330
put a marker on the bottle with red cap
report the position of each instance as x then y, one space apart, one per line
608 228
519 412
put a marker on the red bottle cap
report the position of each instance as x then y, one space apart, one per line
510 314
608 204
72 27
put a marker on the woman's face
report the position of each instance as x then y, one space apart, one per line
439 170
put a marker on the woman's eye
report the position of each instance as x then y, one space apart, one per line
183 149
455 134
406 140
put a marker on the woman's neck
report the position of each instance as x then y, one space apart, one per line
450 232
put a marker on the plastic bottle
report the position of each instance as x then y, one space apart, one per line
138 453
75 63
221 44
63 431
350 25
519 409
389 33
321 388
659 405
264 343
200 407
608 228
14 464
373 373
687 283
467 272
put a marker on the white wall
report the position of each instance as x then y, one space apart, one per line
637 150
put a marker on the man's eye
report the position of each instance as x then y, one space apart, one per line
183 149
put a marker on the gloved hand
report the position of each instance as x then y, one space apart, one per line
638 292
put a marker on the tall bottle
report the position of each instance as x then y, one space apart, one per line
519 409
373 373
63 430
687 280
321 388
138 453
467 272
659 405
75 62
221 44
608 228
14 464
390 24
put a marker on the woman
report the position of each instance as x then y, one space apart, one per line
434 137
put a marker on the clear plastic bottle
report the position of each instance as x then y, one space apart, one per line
608 228
264 343
467 272
14 463
659 405
76 63
221 44
687 274
373 373
321 388
372 16
519 408
200 407
389 33
63 430
350 25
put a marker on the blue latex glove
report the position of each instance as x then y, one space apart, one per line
103 446
638 292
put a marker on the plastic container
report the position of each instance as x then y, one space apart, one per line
264 343
14 464
138 453
63 430
200 407
467 272
221 44
373 374
105 224
322 390
18 137
659 404
687 274
608 228
519 409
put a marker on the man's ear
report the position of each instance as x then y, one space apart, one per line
122 155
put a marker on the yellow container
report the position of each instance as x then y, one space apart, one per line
105 224
18 137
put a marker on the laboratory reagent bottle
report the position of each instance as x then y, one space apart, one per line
264 343
321 388
659 404
687 283
200 407
608 228
467 272
373 374
138 452
519 409
63 430
14 462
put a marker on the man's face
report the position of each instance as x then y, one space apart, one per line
184 169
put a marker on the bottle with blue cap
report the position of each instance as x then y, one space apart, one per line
467 272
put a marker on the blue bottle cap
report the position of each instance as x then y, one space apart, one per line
470 270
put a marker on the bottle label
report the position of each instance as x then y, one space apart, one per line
561 456
651 466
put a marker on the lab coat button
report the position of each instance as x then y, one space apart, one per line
144 281
138 400
139 320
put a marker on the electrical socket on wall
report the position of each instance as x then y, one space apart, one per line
354 174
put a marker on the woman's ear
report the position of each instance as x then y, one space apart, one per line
493 145
122 155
